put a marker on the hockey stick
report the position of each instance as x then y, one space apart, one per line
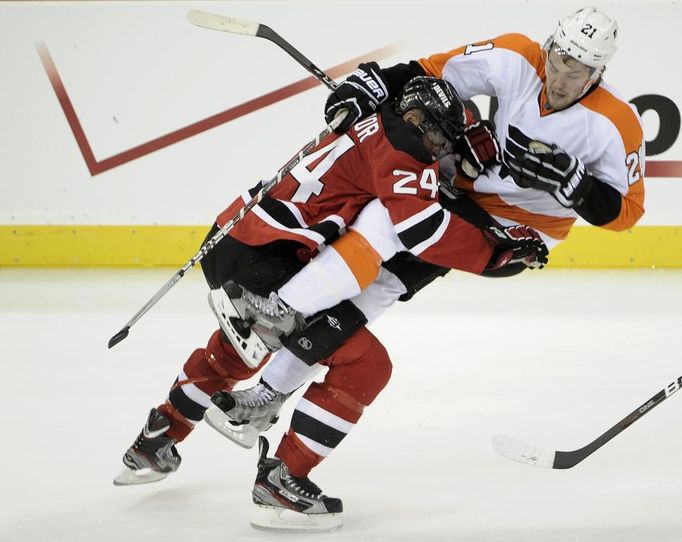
226 24
213 21
528 454
213 241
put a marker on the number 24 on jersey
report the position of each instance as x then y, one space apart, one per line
408 182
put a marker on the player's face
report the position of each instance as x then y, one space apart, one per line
566 79
434 140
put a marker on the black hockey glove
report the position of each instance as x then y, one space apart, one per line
551 169
360 94
477 149
516 244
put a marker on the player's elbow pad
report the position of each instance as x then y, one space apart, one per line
602 205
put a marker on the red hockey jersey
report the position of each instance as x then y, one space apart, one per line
380 157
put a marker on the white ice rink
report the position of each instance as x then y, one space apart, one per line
553 357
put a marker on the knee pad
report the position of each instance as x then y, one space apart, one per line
325 332
216 366
222 356
361 368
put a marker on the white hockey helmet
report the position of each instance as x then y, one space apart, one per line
587 35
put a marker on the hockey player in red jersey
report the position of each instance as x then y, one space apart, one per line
554 171
310 208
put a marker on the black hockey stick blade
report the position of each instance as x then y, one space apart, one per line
118 337
521 452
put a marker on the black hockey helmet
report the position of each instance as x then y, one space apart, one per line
438 99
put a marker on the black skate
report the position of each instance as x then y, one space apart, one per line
242 415
286 503
152 456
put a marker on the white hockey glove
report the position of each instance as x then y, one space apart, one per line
360 94
477 149
551 169
516 244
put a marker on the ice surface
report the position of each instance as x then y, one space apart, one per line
551 357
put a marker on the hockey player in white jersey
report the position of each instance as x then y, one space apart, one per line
553 94
571 147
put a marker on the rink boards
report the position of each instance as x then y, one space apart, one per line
126 129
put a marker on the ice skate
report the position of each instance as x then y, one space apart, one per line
270 317
237 331
285 503
152 456
242 415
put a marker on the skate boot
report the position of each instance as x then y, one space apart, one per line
269 317
242 415
152 456
269 314
237 331
286 503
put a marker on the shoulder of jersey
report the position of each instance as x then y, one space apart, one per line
402 136
522 45
606 101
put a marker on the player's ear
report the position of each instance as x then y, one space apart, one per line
413 115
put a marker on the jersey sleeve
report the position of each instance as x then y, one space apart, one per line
617 142
491 67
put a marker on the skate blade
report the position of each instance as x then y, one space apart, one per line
274 518
252 350
243 435
130 477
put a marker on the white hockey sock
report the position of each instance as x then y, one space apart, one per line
380 295
328 279
286 373
325 281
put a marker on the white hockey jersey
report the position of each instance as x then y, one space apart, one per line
602 129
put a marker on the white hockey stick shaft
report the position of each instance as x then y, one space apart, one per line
213 21
222 232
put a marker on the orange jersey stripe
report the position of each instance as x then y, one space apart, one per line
601 101
557 228
623 118
518 43
360 257
632 209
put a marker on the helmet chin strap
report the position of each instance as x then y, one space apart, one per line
594 78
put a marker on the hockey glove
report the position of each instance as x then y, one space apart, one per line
448 166
477 149
516 244
551 169
360 94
